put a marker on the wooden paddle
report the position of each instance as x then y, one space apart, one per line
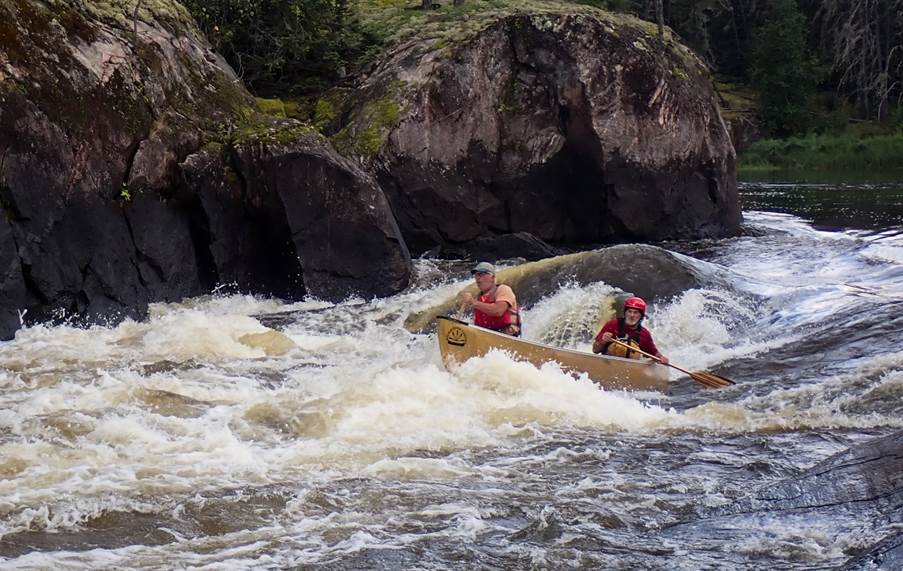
709 380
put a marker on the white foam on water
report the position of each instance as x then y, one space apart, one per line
831 403
86 431
381 398
885 252
569 317
791 541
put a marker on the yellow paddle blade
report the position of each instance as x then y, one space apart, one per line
711 380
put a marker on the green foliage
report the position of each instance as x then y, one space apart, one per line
324 113
280 46
849 150
781 70
124 193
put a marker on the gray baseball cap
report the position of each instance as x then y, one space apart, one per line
483 268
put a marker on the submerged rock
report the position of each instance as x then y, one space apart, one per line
648 271
866 480
272 342
871 472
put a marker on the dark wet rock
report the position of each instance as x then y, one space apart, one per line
293 217
88 96
887 555
575 128
868 474
647 271
250 245
167 366
214 513
339 221
864 482
110 203
846 335
517 245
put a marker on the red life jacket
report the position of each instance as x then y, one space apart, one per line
510 320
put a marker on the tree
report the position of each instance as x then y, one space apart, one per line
660 18
864 41
781 70
283 45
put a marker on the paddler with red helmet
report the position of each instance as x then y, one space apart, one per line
628 330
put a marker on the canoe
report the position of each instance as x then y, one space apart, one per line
459 341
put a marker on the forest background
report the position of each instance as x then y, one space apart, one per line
807 83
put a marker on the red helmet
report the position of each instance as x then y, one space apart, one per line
635 303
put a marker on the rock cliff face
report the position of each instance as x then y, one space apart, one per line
569 127
134 167
103 110
279 213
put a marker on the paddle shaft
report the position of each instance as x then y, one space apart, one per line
641 352
708 379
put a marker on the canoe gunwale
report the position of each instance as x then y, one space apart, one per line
606 370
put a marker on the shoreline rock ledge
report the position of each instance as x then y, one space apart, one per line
136 168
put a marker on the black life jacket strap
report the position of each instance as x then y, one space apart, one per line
624 334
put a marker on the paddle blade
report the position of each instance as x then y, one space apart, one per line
711 380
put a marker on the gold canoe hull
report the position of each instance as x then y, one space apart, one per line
459 341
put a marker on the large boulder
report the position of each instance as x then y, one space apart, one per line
87 90
574 127
287 197
102 104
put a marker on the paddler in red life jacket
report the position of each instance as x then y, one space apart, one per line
496 308
629 330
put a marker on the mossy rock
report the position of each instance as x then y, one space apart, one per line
262 128
274 107
365 137
166 13
395 21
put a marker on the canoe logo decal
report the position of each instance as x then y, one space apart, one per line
456 337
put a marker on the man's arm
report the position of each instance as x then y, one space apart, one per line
603 338
648 345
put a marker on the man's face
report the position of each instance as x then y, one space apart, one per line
632 316
484 280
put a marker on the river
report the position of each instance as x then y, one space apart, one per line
170 443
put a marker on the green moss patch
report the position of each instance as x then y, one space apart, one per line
396 21
274 107
366 136
169 14
261 128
